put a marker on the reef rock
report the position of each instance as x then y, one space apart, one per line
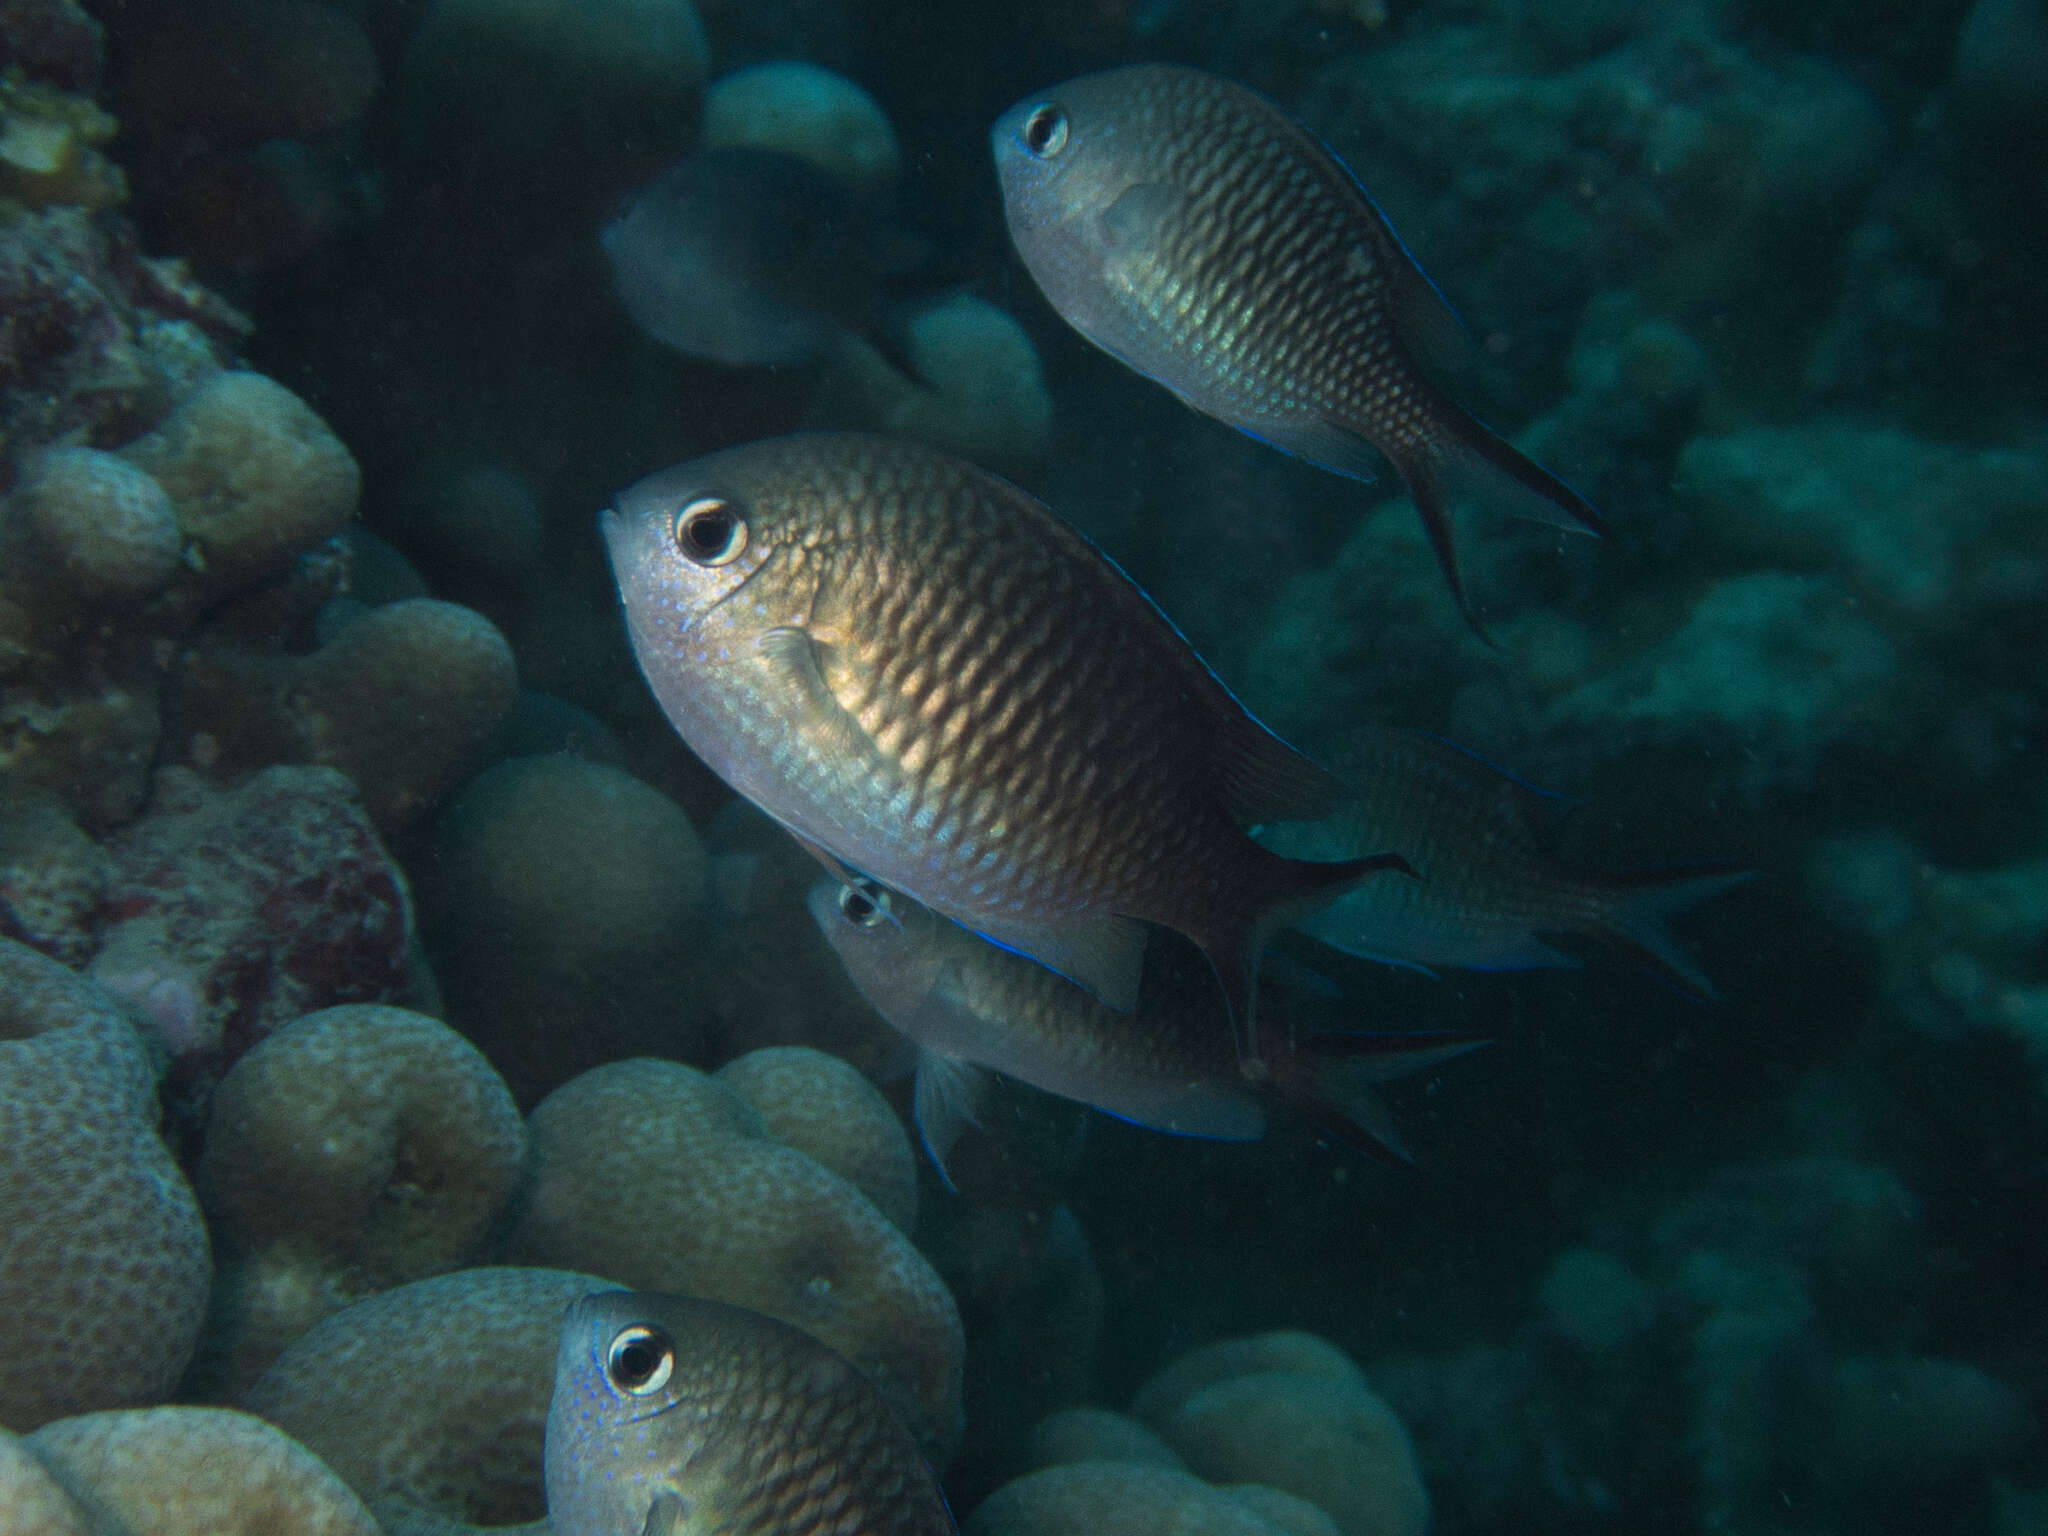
230 913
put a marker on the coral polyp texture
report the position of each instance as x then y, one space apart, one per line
185 1471
105 1255
363 921
652 1172
821 1106
354 1150
429 1400
32 1502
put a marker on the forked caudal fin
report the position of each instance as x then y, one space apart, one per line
1302 886
1465 459
1636 906
1328 1080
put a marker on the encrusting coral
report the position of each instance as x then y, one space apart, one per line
31 1501
104 1263
133 1470
354 1150
403 699
652 1172
430 1400
820 1105
561 900
1282 1425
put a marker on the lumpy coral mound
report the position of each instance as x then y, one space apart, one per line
664 1177
104 1264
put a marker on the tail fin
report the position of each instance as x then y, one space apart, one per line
1330 1082
1636 906
1234 953
1466 458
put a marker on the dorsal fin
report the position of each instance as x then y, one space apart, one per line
1265 779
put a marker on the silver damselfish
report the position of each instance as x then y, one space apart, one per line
1189 227
676 1416
931 680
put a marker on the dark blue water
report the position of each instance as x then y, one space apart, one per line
325 700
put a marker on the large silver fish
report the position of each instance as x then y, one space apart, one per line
933 681
1489 890
675 1416
970 1008
1189 227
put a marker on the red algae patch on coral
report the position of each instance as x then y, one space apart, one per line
267 901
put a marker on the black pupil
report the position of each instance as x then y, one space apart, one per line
1038 132
637 1361
857 906
708 532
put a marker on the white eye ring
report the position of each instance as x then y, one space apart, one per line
1044 133
710 531
640 1360
865 905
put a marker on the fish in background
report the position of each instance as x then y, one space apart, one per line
970 1008
1191 229
1487 890
933 681
753 257
677 1416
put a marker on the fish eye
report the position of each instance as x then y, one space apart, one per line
640 1360
710 531
1045 131
864 905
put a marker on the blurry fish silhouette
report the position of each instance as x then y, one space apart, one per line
932 680
1488 890
675 1416
752 257
970 1008
1190 228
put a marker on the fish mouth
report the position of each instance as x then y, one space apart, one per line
611 527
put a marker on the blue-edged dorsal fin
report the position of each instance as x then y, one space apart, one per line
1265 779
1427 323
1102 955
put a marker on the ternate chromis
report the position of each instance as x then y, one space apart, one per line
932 680
1192 229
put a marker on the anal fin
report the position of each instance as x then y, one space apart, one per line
948 1098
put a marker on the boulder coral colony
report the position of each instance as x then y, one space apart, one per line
378 974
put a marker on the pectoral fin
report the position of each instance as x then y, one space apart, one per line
664 1516
1135 222
791 658
1102 955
